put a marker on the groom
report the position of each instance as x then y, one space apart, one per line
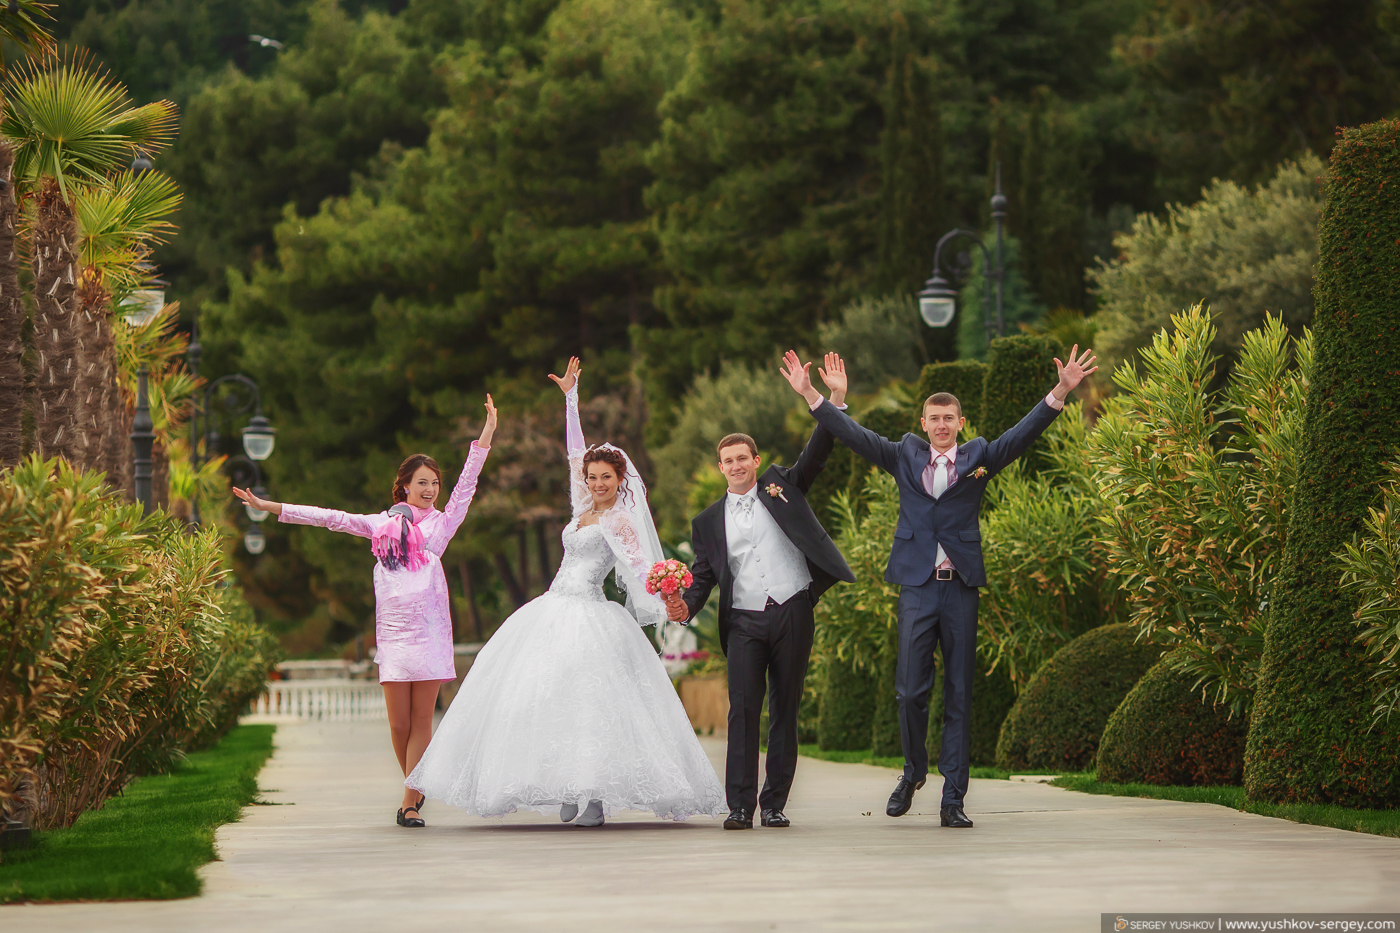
771 559
936 559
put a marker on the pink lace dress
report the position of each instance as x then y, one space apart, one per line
412 622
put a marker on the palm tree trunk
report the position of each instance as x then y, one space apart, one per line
57 349
11 321
98 379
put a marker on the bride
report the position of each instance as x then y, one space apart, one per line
568 705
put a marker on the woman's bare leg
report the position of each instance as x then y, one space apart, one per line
424 701
398 697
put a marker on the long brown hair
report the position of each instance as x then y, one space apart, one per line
613 458
406 471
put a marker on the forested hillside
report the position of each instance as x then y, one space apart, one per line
411 203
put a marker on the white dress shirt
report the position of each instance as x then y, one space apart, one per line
765 563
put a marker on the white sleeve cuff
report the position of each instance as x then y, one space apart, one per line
1054 402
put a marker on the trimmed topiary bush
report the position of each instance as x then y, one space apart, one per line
1056 722
1164 733
963 378
1020 370
1309 738
847 707
992 697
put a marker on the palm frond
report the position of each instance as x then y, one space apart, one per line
119 221
67 118
23 27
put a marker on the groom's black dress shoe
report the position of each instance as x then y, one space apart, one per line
739 818
903 796
953 815
775 819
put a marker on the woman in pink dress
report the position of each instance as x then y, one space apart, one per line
412 623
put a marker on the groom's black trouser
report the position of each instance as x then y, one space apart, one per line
771 645
940 612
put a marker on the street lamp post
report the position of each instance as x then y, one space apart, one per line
938 299
259 437
142 441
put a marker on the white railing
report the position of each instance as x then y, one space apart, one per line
321 699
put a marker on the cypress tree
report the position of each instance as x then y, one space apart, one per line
964 379
1310 737
1020 370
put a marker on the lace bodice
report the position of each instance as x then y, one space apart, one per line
587 561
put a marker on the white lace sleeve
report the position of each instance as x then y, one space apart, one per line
579 497
633 564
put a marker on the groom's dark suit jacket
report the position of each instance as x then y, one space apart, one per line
711 565
951 519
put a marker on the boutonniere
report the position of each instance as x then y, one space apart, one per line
979 472
775 491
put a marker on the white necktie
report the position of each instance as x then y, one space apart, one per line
743 518
940 476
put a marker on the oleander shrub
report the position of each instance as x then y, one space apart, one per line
1372 570
1165 732
1057 720
1048 580
1310 735
124 647
1196 483
854 620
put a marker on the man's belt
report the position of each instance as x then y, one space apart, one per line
943 573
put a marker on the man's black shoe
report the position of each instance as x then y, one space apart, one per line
775 819
953 815
903 796
739 818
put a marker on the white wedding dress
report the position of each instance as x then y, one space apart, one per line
568 701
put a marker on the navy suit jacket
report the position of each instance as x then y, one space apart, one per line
951 519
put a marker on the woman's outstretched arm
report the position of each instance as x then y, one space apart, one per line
462 494
334 519
579 497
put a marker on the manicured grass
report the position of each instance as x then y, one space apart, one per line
879 761
149 842
1376 822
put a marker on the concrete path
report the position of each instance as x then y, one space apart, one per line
1040 859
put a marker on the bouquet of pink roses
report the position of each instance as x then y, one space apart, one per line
668 577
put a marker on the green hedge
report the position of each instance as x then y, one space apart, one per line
847 708
1163 733
1309 738
992 697
1020 370
1057 720
963 378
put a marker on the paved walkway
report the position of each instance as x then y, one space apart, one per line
1040 859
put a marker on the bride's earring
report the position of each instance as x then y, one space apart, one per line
568 811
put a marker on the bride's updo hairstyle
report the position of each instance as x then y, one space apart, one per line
406 471
613 458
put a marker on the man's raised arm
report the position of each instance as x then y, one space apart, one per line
863 441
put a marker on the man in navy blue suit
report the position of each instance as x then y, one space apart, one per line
937 558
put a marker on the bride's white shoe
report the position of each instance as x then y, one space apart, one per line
593 816
568 811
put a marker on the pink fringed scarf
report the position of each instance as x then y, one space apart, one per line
397 543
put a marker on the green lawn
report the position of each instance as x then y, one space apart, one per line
866 758
1377 822
149 842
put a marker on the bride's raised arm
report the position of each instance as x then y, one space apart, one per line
579 497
